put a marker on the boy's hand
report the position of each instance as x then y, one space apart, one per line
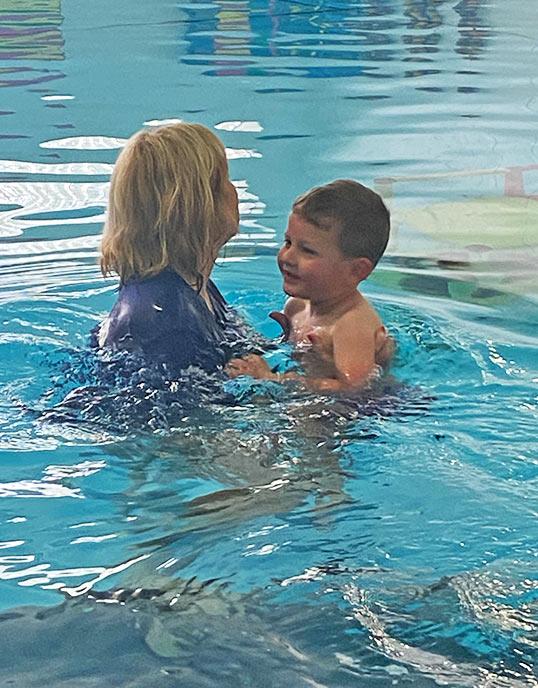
252 365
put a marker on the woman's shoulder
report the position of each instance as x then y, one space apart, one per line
162 316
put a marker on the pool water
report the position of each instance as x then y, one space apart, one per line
254 534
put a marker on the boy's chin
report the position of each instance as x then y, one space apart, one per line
290 291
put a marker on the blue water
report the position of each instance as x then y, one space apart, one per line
268 536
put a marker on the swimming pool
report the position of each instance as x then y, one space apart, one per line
284 538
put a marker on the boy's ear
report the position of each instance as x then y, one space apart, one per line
361 268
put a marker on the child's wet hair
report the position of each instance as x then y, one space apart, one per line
164 200
357 212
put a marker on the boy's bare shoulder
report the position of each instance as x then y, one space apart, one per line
364 324
294 305
362 315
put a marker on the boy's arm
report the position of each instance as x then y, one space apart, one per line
353 352
351 346
354 359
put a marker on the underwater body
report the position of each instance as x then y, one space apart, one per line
197 531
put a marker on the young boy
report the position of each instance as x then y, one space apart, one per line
336 235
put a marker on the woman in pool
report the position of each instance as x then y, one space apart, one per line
171 208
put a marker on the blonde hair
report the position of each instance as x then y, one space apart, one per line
163 203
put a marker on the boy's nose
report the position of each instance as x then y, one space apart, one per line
287 255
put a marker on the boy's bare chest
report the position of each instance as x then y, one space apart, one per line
313 342
312 334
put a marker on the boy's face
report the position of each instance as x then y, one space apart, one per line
312 263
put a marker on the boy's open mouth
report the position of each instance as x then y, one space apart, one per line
289 275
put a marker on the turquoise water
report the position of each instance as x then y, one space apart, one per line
274 537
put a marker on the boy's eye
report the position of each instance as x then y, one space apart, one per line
309 251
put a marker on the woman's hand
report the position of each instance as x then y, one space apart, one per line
252 365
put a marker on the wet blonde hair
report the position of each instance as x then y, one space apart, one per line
163 206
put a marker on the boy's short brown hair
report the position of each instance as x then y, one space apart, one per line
358 212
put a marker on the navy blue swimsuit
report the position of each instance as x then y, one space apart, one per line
166 320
